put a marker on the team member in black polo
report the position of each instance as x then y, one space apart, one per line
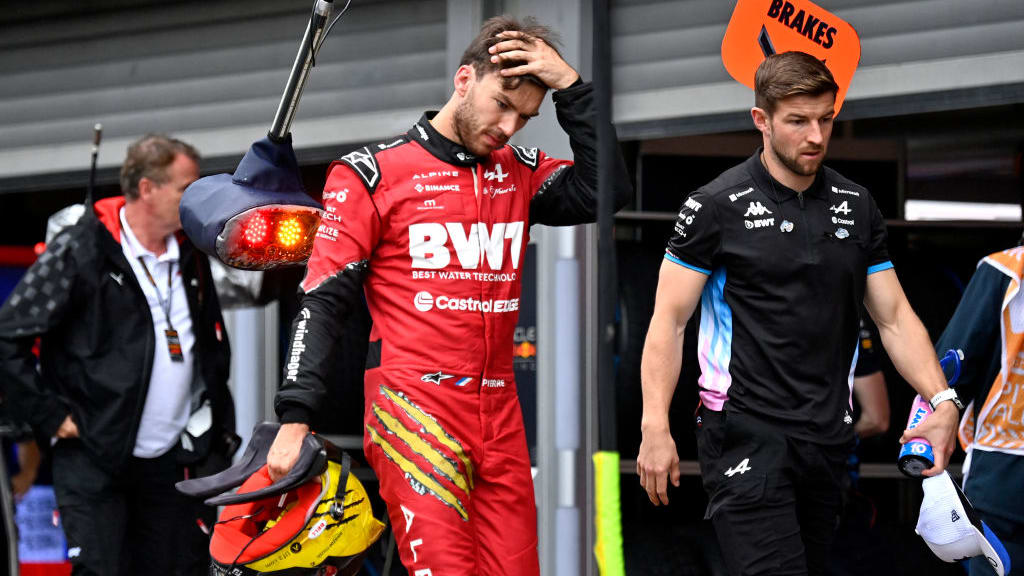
780 252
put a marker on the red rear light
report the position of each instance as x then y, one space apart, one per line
268 236
256 230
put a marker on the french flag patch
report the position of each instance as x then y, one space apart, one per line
463 381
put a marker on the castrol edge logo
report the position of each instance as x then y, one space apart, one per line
425 302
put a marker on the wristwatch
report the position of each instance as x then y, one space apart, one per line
947 394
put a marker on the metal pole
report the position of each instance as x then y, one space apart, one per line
606 273
97 135
311 42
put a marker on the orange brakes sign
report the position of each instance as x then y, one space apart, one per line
759 28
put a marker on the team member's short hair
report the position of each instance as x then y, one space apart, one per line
781 76
149 157
476 53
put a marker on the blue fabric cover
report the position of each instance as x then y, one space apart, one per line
267 174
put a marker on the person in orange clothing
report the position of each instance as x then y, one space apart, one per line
988 326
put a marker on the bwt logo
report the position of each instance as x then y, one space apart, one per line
427 244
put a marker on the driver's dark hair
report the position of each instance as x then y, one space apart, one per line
781 76
477 56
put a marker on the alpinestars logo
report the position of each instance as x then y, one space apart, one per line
496 174
298 346
756 209
740 468
527 156
364 163
436 377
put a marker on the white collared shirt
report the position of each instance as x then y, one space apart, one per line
167 406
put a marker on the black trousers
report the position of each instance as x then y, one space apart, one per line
774 500
132 523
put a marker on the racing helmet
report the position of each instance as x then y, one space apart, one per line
315 521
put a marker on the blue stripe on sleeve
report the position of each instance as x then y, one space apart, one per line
879 267
672 258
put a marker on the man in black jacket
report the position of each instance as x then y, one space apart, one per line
131 382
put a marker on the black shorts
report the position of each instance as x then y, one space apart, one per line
774 500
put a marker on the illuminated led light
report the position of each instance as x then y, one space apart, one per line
268 236
289 233
256 230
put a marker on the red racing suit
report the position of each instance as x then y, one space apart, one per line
435 236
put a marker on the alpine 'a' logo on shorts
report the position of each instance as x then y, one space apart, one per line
423 301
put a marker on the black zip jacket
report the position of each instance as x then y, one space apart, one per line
97 344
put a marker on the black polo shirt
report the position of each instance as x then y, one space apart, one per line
780 310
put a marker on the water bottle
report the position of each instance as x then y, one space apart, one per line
916 455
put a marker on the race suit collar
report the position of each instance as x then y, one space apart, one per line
425 134
765 181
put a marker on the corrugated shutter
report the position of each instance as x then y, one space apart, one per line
916 56
209 72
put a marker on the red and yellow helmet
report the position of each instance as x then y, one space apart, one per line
323 526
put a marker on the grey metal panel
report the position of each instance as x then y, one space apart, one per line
209 71
669 75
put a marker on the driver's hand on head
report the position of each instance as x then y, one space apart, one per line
539 59
284 452
657 463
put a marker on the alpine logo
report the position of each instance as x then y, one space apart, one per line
298 346
425 302
756 209
738 195
496 174
427 244
954 516
527 156
740 468
365 164
843 208
425 175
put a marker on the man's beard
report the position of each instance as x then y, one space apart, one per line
465 124
792 163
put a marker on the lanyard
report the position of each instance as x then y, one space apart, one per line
164 305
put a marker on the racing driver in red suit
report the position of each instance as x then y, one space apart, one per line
433 226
